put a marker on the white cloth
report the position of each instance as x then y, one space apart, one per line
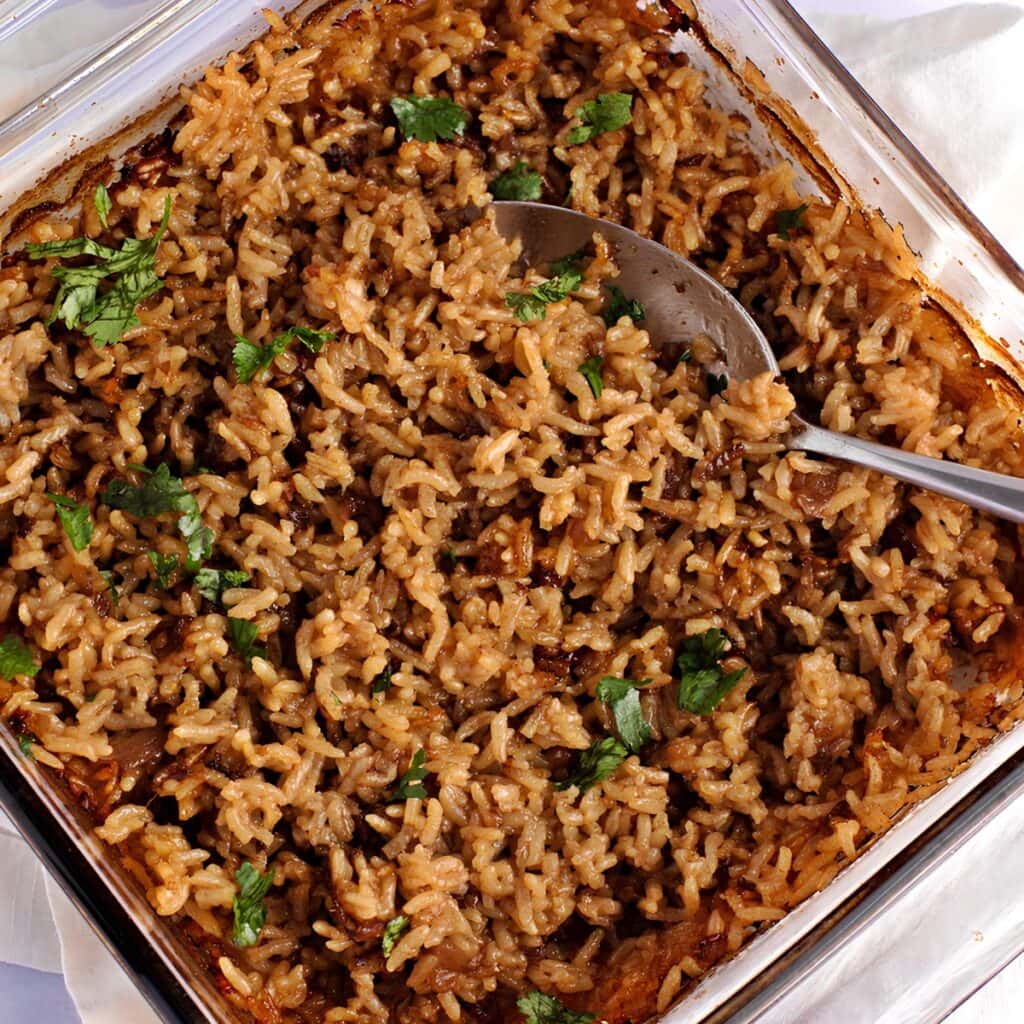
953 79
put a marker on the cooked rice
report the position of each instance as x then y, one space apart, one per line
439 491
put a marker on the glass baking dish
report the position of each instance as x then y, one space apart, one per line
884 942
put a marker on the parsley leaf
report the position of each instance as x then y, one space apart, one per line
596 763
250 910
392 933
243 635
16 659
702 684
619 306
115 595
717 383
518 182
610 111
623 697
591 369
161 492
381 681
410 785
532 305
101 200
789 220
25 746
250 358
429 118
538 1008
129 273
75 520
213 582
164 565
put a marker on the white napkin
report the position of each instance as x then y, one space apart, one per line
953 79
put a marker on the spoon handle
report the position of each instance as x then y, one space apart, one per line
997 493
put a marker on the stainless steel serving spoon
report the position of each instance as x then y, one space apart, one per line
680 301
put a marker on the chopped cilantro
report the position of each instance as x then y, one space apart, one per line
25 746
250 358
538 1008
243 635
619 306
623 697
591 369
164 566
702 683
101 200
381 681
249 908
429 118
75 520
394 930
717 383
128 273
518 182
410 785
212 583
532 305
115 596
568 264
449 557
789 220
16 659
596 763
610 111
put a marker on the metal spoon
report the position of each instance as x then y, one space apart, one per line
680 300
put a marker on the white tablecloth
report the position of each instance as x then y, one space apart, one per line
951 76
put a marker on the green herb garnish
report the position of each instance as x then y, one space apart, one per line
129 275
381 681
162 492
75 520
591 369
568 264
25 746
243 635
702 683
16 659
619 306
429 118
596 763
518 182
250 910
532 305
717 383
610 111
250 358
115 596
164 566
410 785
686 356
212 583
393 931
789 220
538 1008
623 697
101 200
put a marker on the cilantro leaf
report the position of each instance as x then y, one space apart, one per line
518 182
251 358
623 697
410 785
162 492
610 111
717 383
591 369
115 595
25 746
75 520
16 659
243 635
164 565
595 764
789 220
429 118
212 583
101 200
381 681
538 1008
568 263
392 933
129 273
619 306
249 909
702 683
532 305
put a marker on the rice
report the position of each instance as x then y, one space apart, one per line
451 537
